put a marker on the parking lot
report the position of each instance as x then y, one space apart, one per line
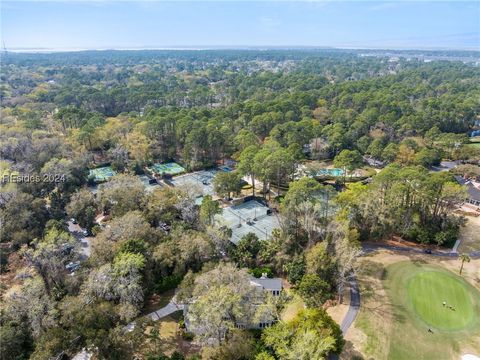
149 183
84 241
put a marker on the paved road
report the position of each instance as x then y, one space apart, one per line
352 312
170 308
354 306
77 232
372 247
455 247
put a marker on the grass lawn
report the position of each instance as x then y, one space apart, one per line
157 301
170 337
401 301
470 235
428 290
475 142
293 307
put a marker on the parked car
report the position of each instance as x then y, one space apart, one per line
74 221
73 266
165 227
66 248
427 251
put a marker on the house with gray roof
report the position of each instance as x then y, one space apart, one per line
473 190
272 286
263 286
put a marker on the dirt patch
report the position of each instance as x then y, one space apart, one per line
14 265
165 337
397 241
470 235
339 311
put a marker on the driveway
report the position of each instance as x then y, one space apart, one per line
168 309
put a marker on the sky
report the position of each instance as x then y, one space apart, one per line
101 24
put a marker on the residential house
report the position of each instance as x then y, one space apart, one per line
272 286
473 190
263 286
373 162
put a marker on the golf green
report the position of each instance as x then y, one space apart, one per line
441 300
409 321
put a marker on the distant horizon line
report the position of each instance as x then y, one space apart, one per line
229 47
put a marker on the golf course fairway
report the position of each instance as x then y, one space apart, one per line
403 315
441 300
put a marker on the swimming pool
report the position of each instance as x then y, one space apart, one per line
330 172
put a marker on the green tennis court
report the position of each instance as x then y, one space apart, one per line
168 168
102 174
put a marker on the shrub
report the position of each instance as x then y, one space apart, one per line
258 271
188 336
167 283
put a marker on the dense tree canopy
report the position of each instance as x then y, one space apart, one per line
272 112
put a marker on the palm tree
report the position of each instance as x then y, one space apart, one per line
464 258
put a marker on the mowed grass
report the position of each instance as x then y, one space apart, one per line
417 292
429 289
475 142
402 301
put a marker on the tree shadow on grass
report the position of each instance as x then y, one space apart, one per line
419 262
384 274
371 268
350 353
399 314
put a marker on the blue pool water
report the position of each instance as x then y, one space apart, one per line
330 172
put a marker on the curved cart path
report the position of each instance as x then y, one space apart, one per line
353 307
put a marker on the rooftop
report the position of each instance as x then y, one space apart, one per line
473 188
267 283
